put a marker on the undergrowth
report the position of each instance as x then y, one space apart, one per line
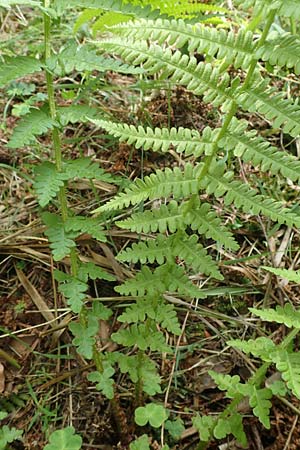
172 211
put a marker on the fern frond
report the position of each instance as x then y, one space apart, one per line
282 51
118 6
140 369
251 147
108 19
162 183
74 291
289 366
184 140
166 218
202 79
35 123
85 58
167 248
75 113
60 240
261 347
81 225
144 337
47 182
164 278
203 219
288 8
247 199
290 275
259 400
260 97
286 315
234 48
84 168
16 67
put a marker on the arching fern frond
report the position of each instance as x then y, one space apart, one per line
16 67
159 184
282 51
202 79
248 199
251 147
235 48
184 140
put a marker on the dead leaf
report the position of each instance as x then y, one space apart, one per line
2 378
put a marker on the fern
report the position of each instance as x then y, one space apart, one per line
284 50
17 67
168 277
85 58
288 365
183 140
290 275
144 336
236 48
251 147
61 241
82 224
286 315
47 182
35 123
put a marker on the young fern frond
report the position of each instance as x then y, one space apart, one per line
233 48
283 51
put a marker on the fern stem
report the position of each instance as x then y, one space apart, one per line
234 106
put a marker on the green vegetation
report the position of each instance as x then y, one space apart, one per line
163 238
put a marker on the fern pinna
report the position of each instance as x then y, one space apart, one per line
181 221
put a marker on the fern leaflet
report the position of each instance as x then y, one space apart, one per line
35 123
61 241
282 51
47 182
18 66
144 336
285 314
234 48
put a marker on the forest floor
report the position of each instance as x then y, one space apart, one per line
43 383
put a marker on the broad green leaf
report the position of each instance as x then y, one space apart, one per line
155 414
64 439
142 443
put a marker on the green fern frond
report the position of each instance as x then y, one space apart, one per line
47 182
84 17
286 315
202 218
108 19
187 9
282 51
75 113
260 97
259 400
142 369
247 199
16 67
85 58
251 147
82 224
184 140
261 347
288 8
118 6
202 79
84 168
162 183
290 275
60 240
166 218
164 314
35 123
89 270
235 48
168 277
143 336
167 248
288 365
74 291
